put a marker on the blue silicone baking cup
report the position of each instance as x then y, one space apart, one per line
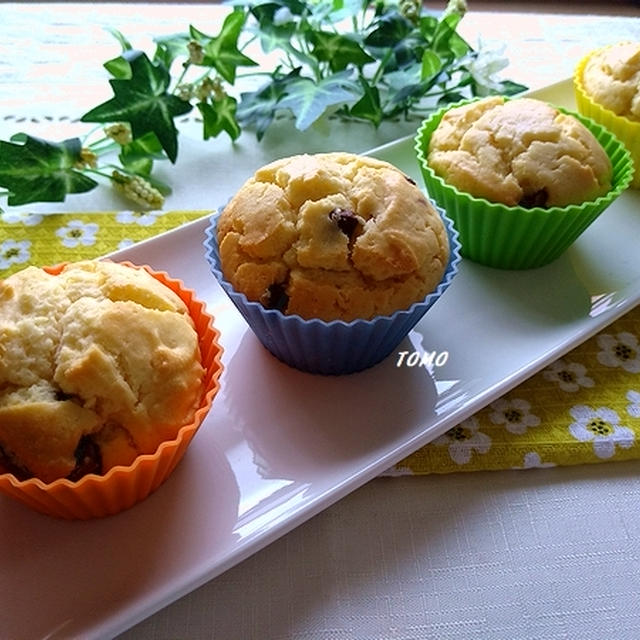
336 347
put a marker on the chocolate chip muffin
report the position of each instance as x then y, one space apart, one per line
607 89
611 77
333 236
98 364
519 152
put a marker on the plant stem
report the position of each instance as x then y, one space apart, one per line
181 77
103 145
98 172
381 67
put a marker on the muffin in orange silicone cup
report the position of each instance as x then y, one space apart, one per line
607 89
123 320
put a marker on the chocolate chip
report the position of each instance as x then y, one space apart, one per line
88 458
536 199
410 180
345 219
9 464
275 297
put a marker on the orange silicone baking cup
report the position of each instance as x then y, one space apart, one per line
95 496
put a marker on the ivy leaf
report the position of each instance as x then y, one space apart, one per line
510 88
138 155
448 98
119 67
220 116
121 38
143 101
427 26
295 7
410 75
389 30
161 186
368 107
41 171
258 108
338 50
446 40
169 48
221 51
309 99
397 58
338 10
409 88
274 37
431 64
276 26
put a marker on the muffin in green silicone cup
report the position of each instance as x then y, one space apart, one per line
535 189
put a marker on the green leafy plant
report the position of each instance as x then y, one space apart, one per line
347 59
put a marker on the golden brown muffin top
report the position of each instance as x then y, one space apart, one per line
611 78
519 152
101 356
332 236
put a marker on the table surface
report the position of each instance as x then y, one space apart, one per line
544 553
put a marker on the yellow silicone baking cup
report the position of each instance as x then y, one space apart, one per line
623 128
516 237
122 487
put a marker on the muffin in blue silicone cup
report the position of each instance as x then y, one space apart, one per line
331 258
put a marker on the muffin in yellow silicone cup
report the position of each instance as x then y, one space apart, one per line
607 89
525 179
120 364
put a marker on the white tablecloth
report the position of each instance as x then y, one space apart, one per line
537 554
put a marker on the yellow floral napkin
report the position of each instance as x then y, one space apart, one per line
44 239
583 408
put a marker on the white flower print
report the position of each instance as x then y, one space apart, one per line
570 376
633 409
77 232
602 427
532 460
621 350
24 217
463 439
514 414
142 218
14 252
397 472
125 242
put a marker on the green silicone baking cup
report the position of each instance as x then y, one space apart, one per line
516 237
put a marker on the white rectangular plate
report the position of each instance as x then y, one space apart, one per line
279 445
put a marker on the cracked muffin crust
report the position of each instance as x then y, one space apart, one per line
98 364
332 236
519 152
611 78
